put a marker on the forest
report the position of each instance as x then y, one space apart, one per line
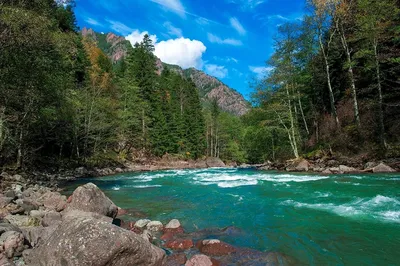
334 88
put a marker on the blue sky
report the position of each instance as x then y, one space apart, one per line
229 39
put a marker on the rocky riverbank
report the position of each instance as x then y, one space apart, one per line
40 226
332 166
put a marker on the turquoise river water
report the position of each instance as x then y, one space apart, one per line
318 220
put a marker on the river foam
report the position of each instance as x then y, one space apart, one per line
380 207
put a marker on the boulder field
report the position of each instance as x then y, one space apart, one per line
40 226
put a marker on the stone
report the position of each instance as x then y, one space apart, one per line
147 235
17 189
302 166
4 261
10 194
4 201
173 224
155 226
121 212
176 259
28 204
201 260
91 242
179 244
370 165
214 162
37 214
37 235
214 247
89 198
54 201
5 227
142 223
75 214
22 220
327 172
51 218
383 168
347 170
12 244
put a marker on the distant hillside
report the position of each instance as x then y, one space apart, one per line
229 100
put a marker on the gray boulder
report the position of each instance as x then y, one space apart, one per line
89 198
347 170
51 218
302 166
214 162
22 220
4 201
141 224
91 242
54 201
5 227
37 235
155 226
383 168
75 214
12 244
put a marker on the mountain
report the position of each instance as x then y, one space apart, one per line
209 87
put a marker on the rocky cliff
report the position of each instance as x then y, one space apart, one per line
210 88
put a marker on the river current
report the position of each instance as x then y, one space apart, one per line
318 220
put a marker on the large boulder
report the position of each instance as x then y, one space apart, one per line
92 242
214 162
347 170
54 201
22 220
155 226
383 168
179 244
89 198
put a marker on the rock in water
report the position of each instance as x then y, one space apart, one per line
383 168
91 242
201 260
89 198
215 247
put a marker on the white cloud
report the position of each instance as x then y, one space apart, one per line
226 59
247 4
137 36
237 26
173 5
182 52
260 71
216 39
93 22
119 27
216 71
171 30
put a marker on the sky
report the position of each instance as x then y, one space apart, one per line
228 39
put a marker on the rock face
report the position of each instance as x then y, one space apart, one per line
383 168
211 88
89 198
86 241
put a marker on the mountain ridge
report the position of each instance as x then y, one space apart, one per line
210 88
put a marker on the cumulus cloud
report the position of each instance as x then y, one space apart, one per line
172 5
216 39
137 36
237 26
182 52
216 71
172 30
260 71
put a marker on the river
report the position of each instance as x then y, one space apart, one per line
318 220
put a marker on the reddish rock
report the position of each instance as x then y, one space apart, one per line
167 236
202 260
121 212
179 244
214 247
174 231
176 259
69 199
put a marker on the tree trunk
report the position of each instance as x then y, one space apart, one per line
382 137
328 79
293 132
19 151
302 113
351 74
